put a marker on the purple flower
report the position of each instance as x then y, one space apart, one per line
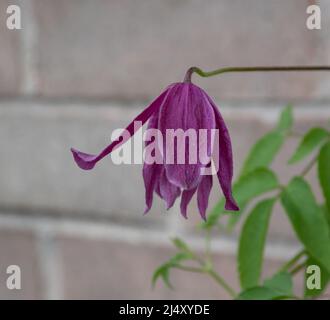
181 106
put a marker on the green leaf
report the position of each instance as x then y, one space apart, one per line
280 286
325 279
163 271
286 119
248 187
312 139
252 242
307 220
181 245
254 184
260 293
266 148
263 152
281 282
326 213
324 172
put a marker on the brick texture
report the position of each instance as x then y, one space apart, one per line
19 248
110 270
38 172
9 55
123 49
88 67
323 86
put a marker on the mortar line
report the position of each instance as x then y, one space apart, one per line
49 262
230 110
134 236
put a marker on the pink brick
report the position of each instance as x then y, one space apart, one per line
9 55
124 49
19 248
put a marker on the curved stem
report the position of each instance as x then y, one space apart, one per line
208 248
292 261
202 73
309 166
298 268
186 268
222 282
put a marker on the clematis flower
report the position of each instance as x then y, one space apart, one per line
181 106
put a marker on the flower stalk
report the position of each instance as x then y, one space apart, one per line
206 74
293 261
222 283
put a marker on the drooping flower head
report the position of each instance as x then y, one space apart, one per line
182 106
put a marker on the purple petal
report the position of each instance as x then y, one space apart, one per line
87 161
157 189
185 108
185 199
151 172
225 159
151 175
203 193
168 191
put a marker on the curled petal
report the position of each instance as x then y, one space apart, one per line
185 199
87 161
203 193
225 159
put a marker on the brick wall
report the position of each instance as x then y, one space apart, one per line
79 69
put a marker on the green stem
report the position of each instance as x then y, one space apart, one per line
222 282
292 261
197 258
206 269
209 266
309 166
202 73
190 269
208 248
298 268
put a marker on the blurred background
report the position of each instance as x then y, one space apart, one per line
79 69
